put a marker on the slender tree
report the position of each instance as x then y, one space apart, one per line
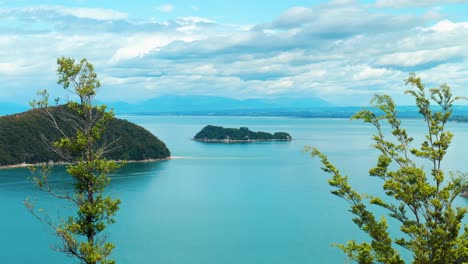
420 199
82 233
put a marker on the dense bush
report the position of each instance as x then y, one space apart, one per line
21 139
220 133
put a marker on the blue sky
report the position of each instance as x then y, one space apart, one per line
342 51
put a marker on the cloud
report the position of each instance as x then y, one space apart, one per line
44 19
421 57
322 27
342 51
92 13
139 46
166 8
43 13
365 72
448 26
413 3
294 16
194 20
8 68
342 19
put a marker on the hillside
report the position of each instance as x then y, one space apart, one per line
20 139
220 134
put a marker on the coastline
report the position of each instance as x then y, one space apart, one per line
237 140
61 163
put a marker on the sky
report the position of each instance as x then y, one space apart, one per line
341 51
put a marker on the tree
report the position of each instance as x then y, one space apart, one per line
80 234
420 199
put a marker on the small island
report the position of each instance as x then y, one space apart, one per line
212 134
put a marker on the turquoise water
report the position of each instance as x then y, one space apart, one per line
215 203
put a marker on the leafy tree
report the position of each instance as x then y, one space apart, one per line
420 199
81 234
24 138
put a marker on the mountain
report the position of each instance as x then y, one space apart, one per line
290 107
205 104
21 141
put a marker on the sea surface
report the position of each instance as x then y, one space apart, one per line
257 203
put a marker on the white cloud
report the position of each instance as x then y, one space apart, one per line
49 12
343 2
92 13
294 16
414 3
340 19
140 45
455 74
166 8
414 58
9 68
341 50
194 20
365 72
448 26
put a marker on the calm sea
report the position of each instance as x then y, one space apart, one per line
259 203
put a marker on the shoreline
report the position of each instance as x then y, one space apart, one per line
61 163
238 140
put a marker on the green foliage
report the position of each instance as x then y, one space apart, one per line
81 234
24 138
135 142
218 133
433 227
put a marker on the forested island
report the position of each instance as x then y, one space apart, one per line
232 135
23 139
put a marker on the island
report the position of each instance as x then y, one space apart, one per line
220 134
24 137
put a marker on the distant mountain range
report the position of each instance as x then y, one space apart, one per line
209 104
183 104
222 106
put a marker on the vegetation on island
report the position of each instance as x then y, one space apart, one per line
24 138
420 199
220 134
83 146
